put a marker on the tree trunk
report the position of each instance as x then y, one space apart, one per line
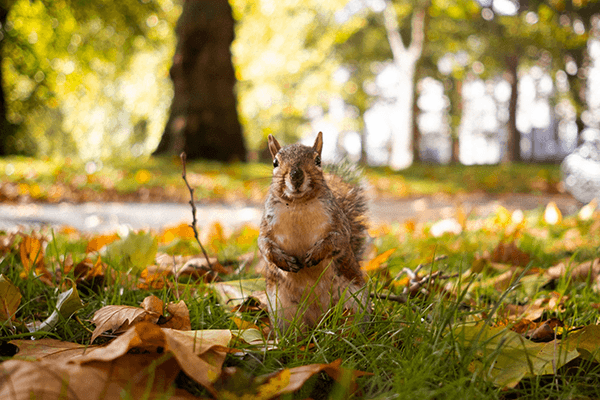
415 132
456 110
405 60
513 140
204 121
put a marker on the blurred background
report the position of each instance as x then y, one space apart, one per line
388 82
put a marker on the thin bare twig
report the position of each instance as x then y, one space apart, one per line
193 225
415 283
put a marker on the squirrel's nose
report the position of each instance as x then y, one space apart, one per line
297 177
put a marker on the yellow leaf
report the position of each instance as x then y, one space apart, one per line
143 176
503 217
10 298
243 325
377 261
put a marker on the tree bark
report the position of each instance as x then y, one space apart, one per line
204 121
513 140
456 110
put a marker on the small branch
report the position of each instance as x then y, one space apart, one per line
193 225
391 297
415 283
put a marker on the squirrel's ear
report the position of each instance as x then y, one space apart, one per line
274 146
318 146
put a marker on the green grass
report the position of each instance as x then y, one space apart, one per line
159 179
409 348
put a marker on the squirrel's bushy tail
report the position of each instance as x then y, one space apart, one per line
344 180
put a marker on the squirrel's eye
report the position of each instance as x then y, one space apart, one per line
275 163
318 161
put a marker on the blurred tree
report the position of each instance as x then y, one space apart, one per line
63 69
204 121
5 126
405 59
285 58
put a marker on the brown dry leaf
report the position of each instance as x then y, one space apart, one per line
136 375
509 253
376 262
179 318
200 354
584 272
87 272
153 304
119 318
545 332
511 312
6 242
48 349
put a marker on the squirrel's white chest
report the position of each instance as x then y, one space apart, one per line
297 228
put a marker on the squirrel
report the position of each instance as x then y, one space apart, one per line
312 236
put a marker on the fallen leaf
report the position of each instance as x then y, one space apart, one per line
66 305
6 242
376 262
585 272
504 357
10 299
510 253
545 332
136 251
232 294
183 231
503 217
284 381
48 349
96 243
134 375
179 317
31 250
118 318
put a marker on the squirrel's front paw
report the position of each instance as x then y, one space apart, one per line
288 263
311 261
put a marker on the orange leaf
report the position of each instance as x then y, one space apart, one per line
31 252
377 261
98 242
183 231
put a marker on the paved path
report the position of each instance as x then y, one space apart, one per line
110 217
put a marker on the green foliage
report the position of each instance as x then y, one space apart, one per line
78 72
134 252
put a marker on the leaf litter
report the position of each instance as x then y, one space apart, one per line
511 342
